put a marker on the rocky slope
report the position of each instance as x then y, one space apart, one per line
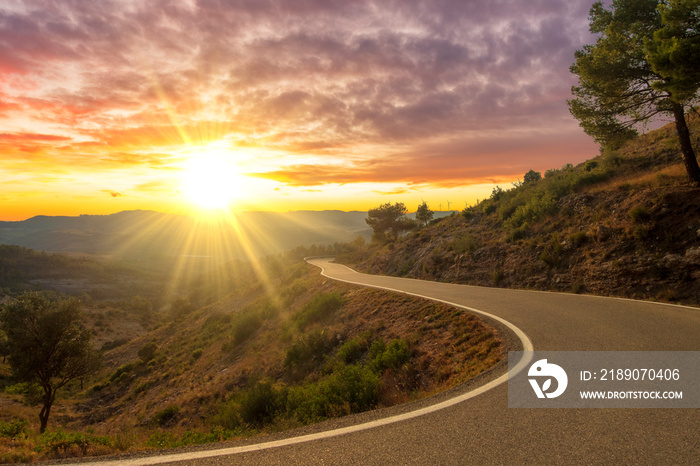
625 223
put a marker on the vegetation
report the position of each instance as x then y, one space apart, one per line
268 356
391 218
424 215
619 224
48 345
644 62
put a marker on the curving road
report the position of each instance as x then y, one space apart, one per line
474 424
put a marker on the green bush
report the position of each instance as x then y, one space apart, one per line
32 392
14 429
122 370
307 353
465 244
61 443
354 385
352 350
162 440
166 415
320 308
394 355
261 403
148 351
197 353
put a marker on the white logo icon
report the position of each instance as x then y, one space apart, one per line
543 369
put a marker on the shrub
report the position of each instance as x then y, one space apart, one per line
488 207
395 355
578 238
465 244
148 351
307 353
639 214
61 443
122 370
590 165
497 193
162 440
352 350
166 415
196 354
532 177
353 386
261 403
320 308
14 429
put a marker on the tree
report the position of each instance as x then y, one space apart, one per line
48 345
4 347
644 63
532 177
389 217
424 214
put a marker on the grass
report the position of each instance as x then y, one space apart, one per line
251 363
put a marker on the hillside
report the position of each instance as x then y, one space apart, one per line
625 223
158 237
284 350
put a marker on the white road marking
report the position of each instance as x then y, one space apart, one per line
189 456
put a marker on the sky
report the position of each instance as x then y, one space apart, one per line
281 105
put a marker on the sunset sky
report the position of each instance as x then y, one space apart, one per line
281 105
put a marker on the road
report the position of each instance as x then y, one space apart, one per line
480 428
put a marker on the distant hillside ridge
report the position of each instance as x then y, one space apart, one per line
625 223
147 234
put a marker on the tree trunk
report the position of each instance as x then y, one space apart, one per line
691 162
46 410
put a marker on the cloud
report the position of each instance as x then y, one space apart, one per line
434 91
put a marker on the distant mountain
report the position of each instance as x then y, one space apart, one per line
147 234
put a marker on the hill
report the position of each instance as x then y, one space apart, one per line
625 223
281 351
157 237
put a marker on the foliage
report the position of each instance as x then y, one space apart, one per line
424 214
532 177
391 356
673 49
261 403
14 429
322 305
48 344
644 62
148 351
639 214
388 217
307 353
166 415
60 443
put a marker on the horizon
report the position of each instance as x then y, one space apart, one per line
196 214
105 107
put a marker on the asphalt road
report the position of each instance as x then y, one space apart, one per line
481 429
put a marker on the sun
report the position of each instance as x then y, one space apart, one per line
211 181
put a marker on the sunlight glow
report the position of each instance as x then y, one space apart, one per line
212 181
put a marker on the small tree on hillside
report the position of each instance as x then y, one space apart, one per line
424 214
4 347
48 345
532 177
645 62
388 217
